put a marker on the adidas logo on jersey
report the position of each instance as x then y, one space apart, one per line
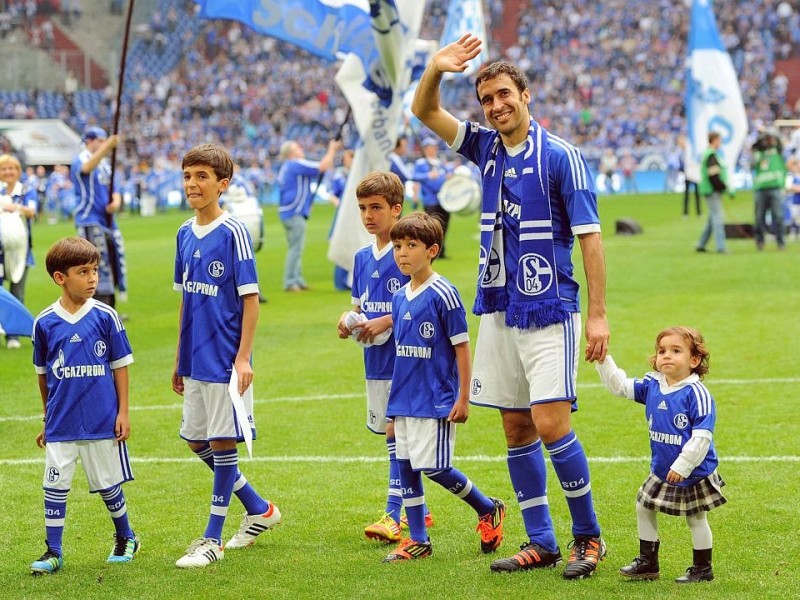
375 274
196 253
75 338
662 406
512 172
407 316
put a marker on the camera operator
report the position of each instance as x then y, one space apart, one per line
769 175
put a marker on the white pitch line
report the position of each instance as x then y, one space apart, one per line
328 397
481 458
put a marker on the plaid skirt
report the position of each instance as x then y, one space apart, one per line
677 500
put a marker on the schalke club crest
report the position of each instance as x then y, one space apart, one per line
535 275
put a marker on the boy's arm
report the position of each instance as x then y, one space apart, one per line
344 331
460 412
374 327
122 427
177 380
40 439
244 370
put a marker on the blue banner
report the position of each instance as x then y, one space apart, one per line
713 98
466 16
322 27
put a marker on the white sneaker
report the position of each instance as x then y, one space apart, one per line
13 344
201 553
253 525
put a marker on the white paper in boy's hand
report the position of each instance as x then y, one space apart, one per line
352 321
239 403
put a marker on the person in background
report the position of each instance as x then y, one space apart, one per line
769 179
21 203
296 178
713 182
94 212
341 277
430 173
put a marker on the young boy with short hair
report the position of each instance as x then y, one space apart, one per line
430 387
215 270
81 354
375 279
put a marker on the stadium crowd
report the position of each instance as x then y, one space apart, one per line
606 75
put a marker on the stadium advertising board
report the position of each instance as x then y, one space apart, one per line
41 141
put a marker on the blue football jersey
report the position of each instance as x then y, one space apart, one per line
429 187
573 201
91 190
428 322
78 352
295 179
671 417
214 268
376 278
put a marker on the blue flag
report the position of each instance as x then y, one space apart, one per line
713 98
466 16
325 28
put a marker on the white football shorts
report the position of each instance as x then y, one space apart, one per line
105 463
377 401
428 443
208 412
516 368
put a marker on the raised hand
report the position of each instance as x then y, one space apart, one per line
454 57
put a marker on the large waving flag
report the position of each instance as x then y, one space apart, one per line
465 16
323 27
713 98
395 26
326 28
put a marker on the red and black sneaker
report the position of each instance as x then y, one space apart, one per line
490 527
586 553
530 556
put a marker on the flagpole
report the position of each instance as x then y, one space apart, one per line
118 109
337 137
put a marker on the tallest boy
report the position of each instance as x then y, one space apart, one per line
538 196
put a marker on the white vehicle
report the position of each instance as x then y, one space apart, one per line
246 208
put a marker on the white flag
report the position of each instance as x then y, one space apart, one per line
377 116
713 98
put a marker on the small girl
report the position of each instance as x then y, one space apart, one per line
680 418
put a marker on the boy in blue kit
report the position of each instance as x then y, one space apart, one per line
376 278
430 387
81 355
216 271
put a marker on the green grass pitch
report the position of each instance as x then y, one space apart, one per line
316 460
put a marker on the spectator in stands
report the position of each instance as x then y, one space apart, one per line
94 214
298 180
18 201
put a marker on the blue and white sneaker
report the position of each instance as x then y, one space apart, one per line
48 563
124 549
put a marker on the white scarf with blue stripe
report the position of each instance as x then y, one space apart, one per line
534 300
